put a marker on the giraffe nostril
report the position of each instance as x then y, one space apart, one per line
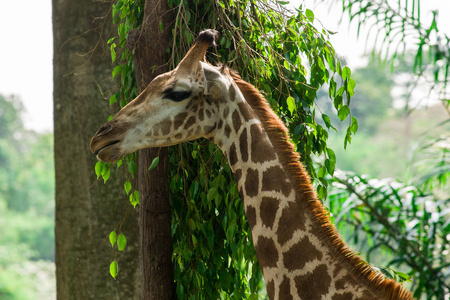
104 129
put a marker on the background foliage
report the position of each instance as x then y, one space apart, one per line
394 27
26 207
405 223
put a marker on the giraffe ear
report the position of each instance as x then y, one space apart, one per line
213 81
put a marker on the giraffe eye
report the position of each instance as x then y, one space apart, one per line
177 96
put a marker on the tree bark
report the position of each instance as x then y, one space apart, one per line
150 45
86 209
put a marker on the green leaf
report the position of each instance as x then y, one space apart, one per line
132 168
348 138
321 192
327 121
329 164
346 72
321 172
113 237
98 169
116 71
113 52
291 104
113 99
161 27
331 154
354 126
299 129
134 198
113 269
403 276
310 15
331 63
121 242
343 112
351 84
154 163
127 187
106 175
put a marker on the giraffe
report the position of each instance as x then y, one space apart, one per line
300 252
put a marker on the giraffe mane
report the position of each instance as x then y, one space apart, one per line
290 160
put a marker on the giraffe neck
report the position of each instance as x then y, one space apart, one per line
299 251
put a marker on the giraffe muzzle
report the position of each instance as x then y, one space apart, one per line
103 130
96 152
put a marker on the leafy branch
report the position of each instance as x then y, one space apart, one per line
398 28
412 225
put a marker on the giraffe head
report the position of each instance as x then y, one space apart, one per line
177 106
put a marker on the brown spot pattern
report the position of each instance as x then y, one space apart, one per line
165 126
179 119
238 175
274 179
337 269
250 213
194 107
189 122
366 296
201 114
269 208
285 289
237 122
232 92
300 254
208 129
313 285
291 220
252 182
261 149
267 252
227 130
162 128
232 156
345 281
226 112
344 296
270 287
243 145
245 111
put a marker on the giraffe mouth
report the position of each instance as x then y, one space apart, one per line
106 146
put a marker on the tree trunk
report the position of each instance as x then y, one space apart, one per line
86 209
150 46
